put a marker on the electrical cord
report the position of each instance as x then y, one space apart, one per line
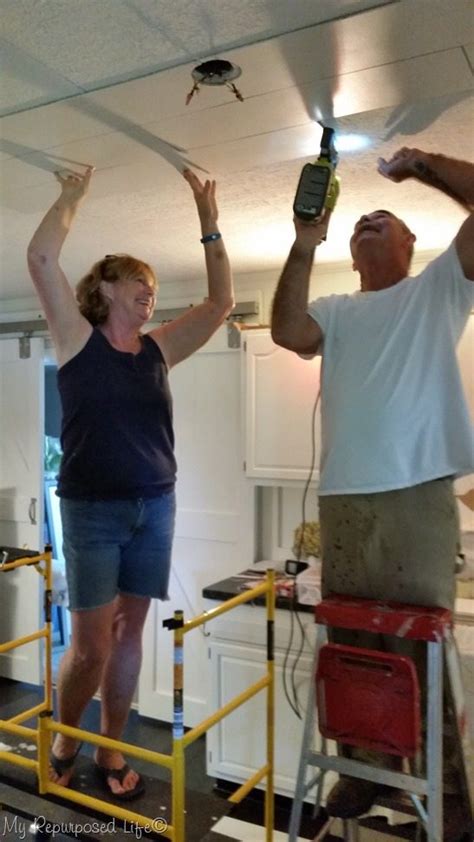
291 693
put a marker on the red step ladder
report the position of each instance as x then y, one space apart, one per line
371 699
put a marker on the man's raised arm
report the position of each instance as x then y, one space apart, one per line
292 327
453 177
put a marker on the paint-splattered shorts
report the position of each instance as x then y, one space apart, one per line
398 545
395 545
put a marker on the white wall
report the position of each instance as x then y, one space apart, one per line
326 279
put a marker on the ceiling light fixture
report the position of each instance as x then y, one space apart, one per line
215 72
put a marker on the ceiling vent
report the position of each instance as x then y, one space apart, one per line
217 71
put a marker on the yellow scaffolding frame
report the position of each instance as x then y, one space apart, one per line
175 761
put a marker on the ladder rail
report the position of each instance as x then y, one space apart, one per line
441 651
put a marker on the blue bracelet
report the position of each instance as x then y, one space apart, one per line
209 238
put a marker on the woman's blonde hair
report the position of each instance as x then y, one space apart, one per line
113 267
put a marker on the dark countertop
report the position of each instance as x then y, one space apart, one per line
235 585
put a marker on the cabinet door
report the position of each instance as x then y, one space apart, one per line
236 745
281 389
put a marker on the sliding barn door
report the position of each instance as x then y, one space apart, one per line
212 520
21 499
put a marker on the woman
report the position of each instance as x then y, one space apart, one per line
117 475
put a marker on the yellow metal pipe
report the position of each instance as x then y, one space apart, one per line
247 596
177 788
270 594
48 671
27 714
178 676
44 743
175 762
244 790
13 725
19 730
269 791
44 735
177 791
18 760
106 742
156 824
234 703
48 680
20 641
21 562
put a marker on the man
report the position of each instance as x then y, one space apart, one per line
395 425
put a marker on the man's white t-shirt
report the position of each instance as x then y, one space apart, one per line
393 409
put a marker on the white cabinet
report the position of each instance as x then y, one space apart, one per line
237 652
280 425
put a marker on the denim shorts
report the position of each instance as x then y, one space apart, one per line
117 546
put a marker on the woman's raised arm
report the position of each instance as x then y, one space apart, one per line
68 327
181 337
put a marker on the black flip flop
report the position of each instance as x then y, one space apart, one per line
61 765
119 775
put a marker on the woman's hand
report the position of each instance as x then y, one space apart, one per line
69 329
204 196
74 185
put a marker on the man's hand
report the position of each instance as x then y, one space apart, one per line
406 163
204 196
311 234
450 176
74 185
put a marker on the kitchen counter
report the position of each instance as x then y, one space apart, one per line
235 585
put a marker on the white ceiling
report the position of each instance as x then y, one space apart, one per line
105 83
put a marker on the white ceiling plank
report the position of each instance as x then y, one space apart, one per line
414 80
315 54
387 34
98 44
366 90
49 126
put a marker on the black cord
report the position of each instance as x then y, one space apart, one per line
292 698
293 705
